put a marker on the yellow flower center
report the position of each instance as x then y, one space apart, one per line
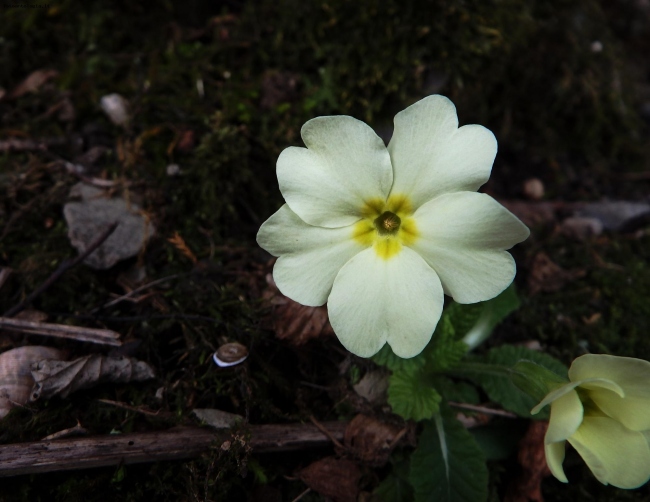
386 225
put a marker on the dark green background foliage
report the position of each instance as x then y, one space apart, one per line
523 68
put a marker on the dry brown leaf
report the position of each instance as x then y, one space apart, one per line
294 322
177 241
185 141
527 486
334 478
547 276
373 386
16 380
54 377
32 83
371 440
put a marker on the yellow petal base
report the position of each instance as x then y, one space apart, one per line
386 246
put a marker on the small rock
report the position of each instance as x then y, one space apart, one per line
596 46
534 189
217 418
88 218
580 227
616 215
116 109
173 170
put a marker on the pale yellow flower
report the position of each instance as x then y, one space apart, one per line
604 413
379 233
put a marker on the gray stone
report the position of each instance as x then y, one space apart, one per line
90 216
217 418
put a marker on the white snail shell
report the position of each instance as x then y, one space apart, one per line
16 380
230 354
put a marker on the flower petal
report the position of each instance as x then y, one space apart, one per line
374 301
462 237
615 454
632 375
564 389
310 257
566 417
431 156
554 395
554 457
345 163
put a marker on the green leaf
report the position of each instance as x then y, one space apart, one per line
411 394
534 379
502 390
493 312
444 351
499 440
451 390
386 357
463 316
448 465
395 487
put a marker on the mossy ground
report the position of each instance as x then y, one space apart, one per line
243 78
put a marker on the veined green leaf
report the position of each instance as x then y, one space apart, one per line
502 390
386 357
448 465
411 394
493 312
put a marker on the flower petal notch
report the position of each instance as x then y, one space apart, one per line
381 233
603 413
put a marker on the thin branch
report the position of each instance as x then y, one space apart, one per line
91 335
67 264
324 430
30 145
144 411
134 292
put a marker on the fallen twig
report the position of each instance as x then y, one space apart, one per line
135 292
61 270
325 431
27 145
174 444
5 272
144 411
91 335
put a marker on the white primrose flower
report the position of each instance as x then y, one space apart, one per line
604 413
380 233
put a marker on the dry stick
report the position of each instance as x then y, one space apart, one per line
91 335
174 444
125 406
325 431
61 270
26 145
5 272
